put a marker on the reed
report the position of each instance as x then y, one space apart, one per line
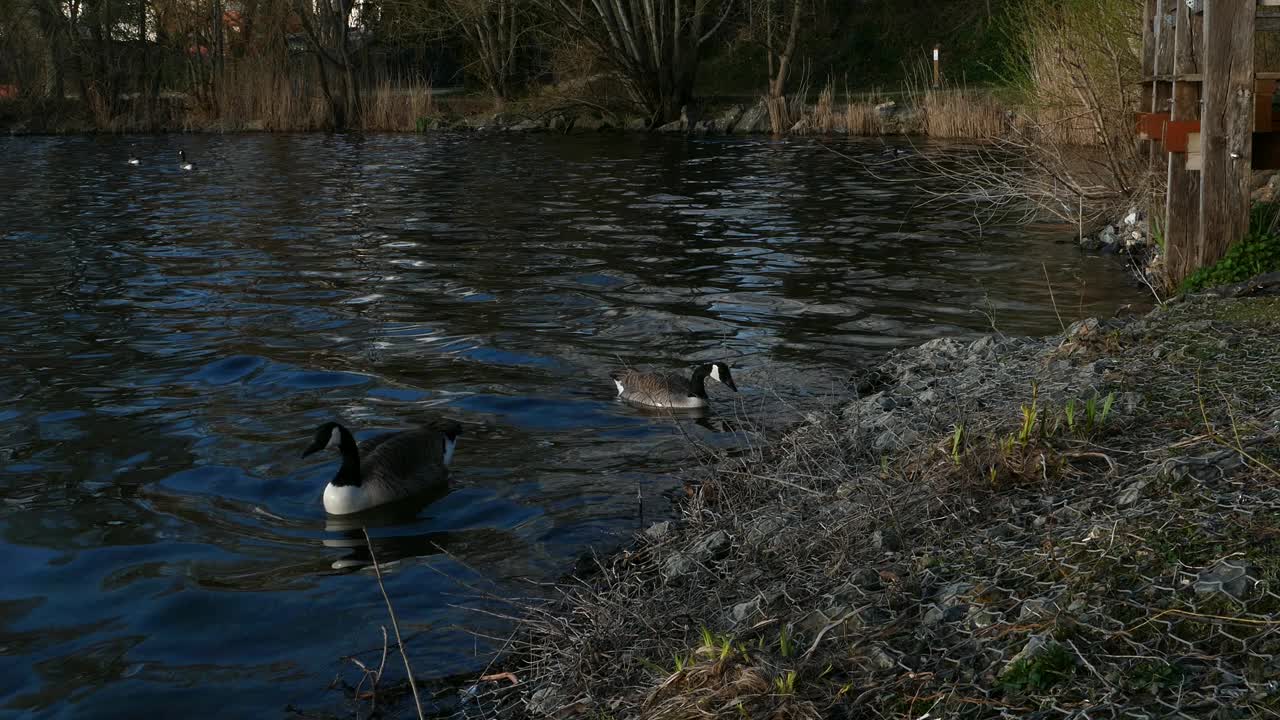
953 110
391 106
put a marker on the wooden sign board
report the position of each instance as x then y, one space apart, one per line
1194 160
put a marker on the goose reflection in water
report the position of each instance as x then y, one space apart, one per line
348 531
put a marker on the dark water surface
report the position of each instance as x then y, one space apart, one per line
170 339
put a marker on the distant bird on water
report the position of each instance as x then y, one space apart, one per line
133 159
671 391
386 468
183 163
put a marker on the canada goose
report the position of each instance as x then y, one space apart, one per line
385 468
133 159
183 163
670 391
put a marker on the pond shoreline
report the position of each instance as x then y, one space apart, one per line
861 118
999 525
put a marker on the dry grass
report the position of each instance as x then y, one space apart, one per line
831 572
397 106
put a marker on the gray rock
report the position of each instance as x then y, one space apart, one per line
1131 494
983 619
879 659
1129 402
712 545
886 403
764 529
1084 328
951 595
933 616
754 120
1036 646
545 701
1037 609
1108 235
634 123
885 540
726 121
1233 577
746 611
1090 243
865 579
657 531
526 126
677 566
1002 531
589 123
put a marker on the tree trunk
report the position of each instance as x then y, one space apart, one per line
776 102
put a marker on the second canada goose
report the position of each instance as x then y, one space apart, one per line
671 391
133 159
183 163
385 468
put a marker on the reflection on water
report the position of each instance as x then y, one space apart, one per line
171 340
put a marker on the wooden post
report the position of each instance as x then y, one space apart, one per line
1148 55
1182 202
1226 126
937 67
1164 41
1148 66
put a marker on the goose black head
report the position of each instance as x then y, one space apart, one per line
451 429
720 371
330 433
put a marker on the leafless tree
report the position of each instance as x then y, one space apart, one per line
776 24
328 25
654 46
494 30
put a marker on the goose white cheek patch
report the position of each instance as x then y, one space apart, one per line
715 373
335 439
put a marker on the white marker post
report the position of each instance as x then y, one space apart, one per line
937 68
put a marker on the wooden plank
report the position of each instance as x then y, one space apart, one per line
1176 134
1163 91
1263 91
1182 198
1226 127
1148 55
1151 125
1266 151
1195 163
1199 77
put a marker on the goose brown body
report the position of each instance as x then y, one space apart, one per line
670 391
386 468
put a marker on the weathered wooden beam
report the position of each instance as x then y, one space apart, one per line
1266 151
1226 126
1164 39
1182 197
1148 60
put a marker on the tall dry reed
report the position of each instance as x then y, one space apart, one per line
396 106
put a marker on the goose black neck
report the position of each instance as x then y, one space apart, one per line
698 383
349 473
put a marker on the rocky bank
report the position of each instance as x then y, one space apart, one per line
1085 525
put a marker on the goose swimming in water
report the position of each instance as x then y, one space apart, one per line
671 391
183 163
385 468
133 159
